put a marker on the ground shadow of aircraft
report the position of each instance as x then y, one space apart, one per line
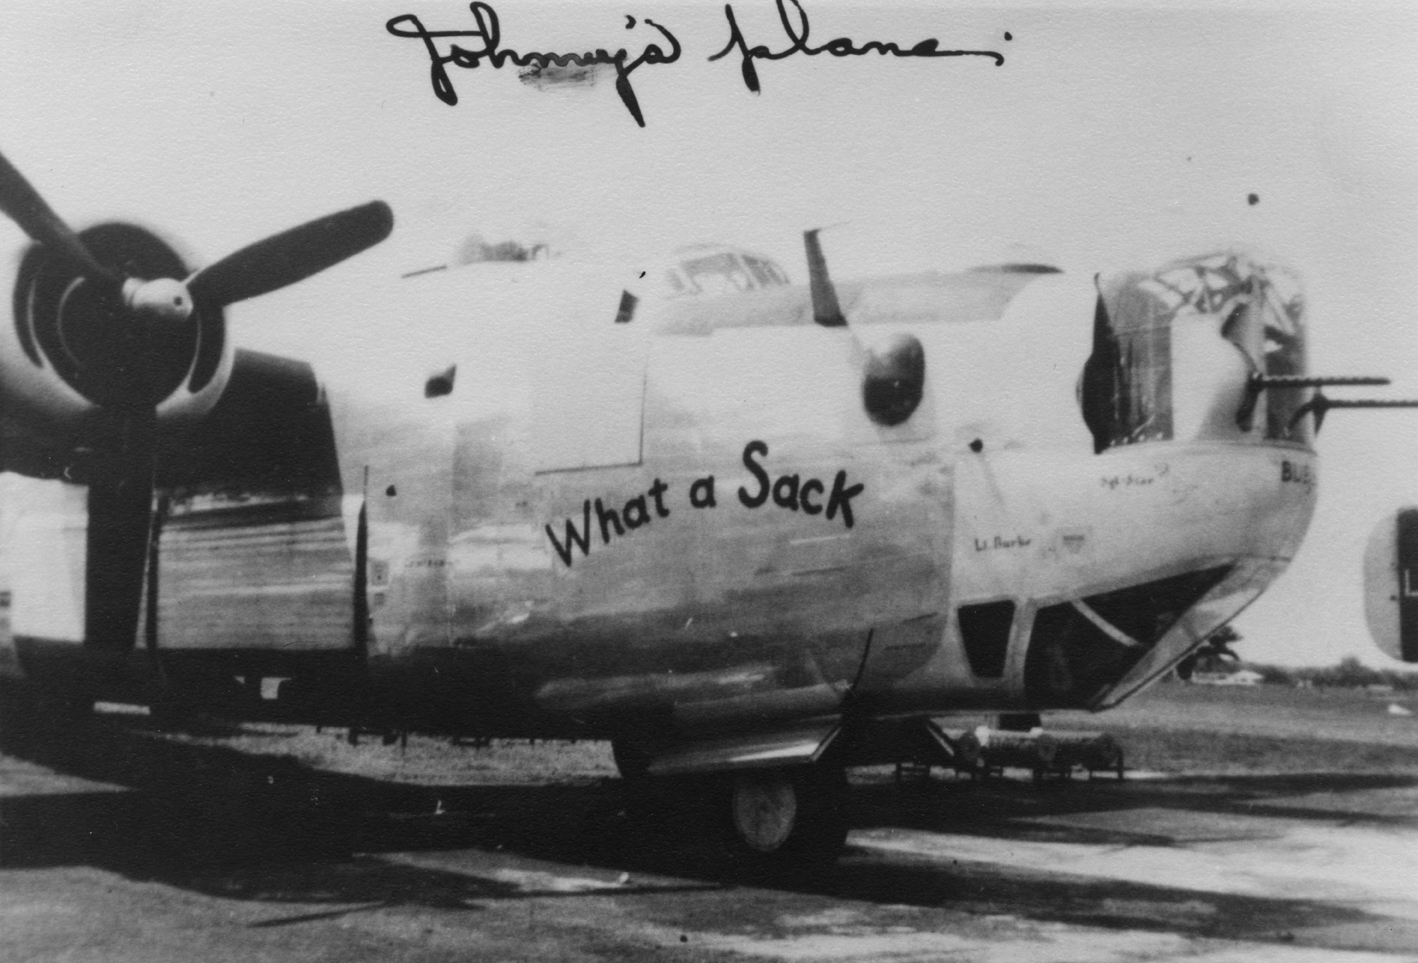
293 836
747 531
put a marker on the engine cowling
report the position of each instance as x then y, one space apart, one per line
64 358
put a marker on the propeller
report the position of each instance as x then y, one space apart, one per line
26 208
124 339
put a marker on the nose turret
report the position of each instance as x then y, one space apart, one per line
1203 483
1184 353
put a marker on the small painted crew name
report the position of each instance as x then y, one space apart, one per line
1298 474
1000 542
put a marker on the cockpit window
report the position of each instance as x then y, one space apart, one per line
718 274
766 273
713 271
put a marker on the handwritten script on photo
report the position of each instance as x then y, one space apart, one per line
484 43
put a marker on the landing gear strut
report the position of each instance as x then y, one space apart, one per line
631 760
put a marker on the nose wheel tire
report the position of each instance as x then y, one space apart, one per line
779 815
763 810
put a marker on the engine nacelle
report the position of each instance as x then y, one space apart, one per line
1391 584
62 353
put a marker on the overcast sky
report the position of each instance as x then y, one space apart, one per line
1114 135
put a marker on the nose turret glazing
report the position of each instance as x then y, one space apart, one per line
1175 352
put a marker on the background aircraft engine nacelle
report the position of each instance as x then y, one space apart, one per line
1391 584
68 349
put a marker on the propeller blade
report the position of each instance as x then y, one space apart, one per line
291 256
120 508
25 207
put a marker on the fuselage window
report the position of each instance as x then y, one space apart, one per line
984 631
1127 383
1146 413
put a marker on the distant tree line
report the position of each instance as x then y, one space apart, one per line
1350 673
1216 657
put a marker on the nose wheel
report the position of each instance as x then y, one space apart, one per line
780 815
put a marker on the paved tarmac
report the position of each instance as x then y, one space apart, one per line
114 849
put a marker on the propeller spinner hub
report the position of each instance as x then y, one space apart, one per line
120 348
165 299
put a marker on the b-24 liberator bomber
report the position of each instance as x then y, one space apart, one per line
738 527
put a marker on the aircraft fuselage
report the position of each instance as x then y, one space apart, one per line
683 524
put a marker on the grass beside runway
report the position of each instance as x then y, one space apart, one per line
1182 728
